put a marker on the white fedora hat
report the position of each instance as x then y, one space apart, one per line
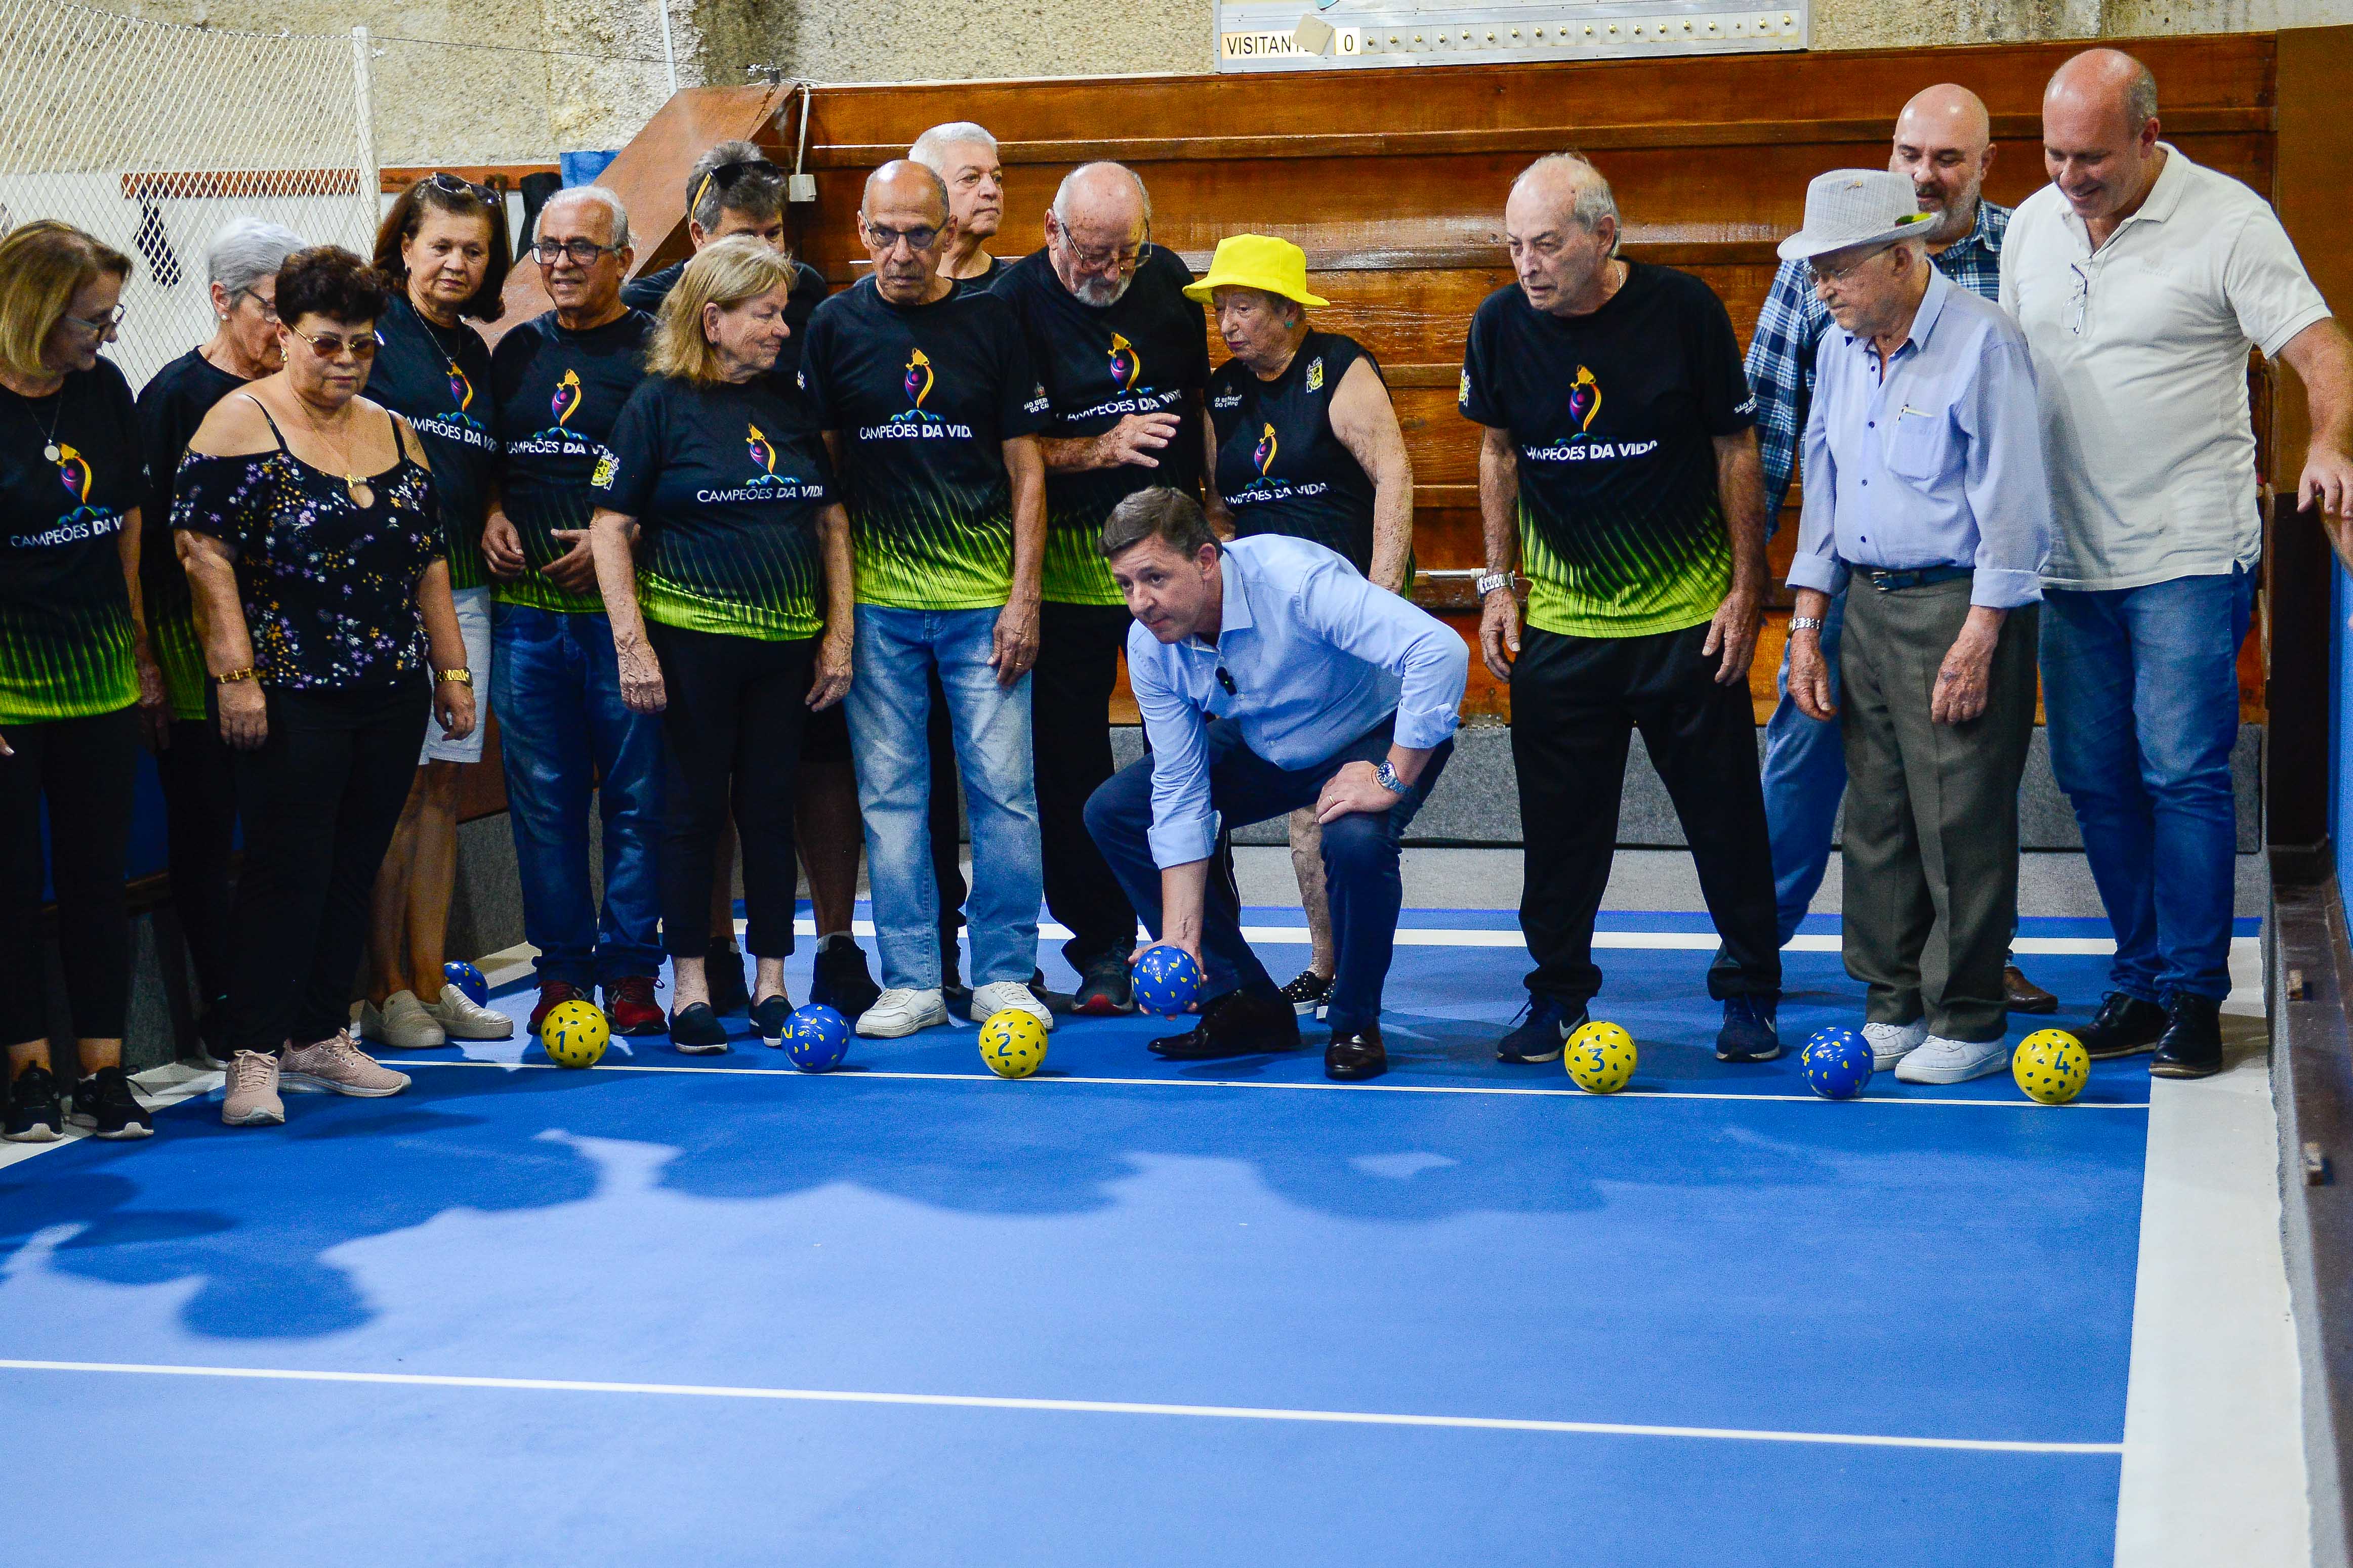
1855 206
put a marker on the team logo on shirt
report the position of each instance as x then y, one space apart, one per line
85 520
1315 374
762 454
1581 444
73 471
1584 401
917 383
767 485
1126 364
461 391
1262 455
566 401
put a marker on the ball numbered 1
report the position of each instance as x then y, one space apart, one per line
815 1037
1837 1063
1167 981
574 1033
1013 1043
2051 1066
1601 1056
471 982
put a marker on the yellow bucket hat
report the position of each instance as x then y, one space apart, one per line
1257 261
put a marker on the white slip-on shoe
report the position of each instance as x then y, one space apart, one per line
901 1011
462 1019
998 995
410 1025
367 1021
1941 1061
1890 1043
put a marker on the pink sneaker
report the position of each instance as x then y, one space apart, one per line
337 1066
252 1098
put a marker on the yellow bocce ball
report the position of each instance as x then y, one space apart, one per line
574 1034
1013 1043
2051 1066
1601 1056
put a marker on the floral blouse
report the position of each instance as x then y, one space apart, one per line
329 586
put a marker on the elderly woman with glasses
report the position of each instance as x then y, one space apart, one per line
1304 442
76 683
309 520
443 245
199 799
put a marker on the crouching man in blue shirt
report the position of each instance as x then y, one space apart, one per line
1330 693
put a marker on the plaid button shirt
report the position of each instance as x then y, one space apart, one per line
1781 354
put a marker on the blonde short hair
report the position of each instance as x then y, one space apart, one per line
43 265
724 273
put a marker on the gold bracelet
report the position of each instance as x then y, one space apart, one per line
462 675
234 676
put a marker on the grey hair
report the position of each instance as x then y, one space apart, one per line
605 197
755 196
931 149
939 186
1157 513
2140 97
1593 202
247 250
1063 191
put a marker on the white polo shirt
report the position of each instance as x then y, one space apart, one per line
2140 355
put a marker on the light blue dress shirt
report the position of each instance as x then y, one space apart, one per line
1940 465
1317 655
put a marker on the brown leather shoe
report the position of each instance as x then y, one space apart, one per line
2023 995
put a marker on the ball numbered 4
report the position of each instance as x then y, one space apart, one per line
1601 1056
1837 1063
816 1038
1013 1043
574 1033
471 982
2051 1066
1167 981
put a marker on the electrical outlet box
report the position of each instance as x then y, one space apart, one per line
800 187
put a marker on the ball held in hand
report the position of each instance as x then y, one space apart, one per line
1167 981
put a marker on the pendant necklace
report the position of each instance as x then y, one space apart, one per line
50 448
362 496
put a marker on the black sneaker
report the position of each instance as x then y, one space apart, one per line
1061 1003
32 1108
841 981
1355 1055
2191 1045
1105 987
2124 1026
769 1016
1234 1025
104 1104
1309 992
697 1031
1750 1031
1546 1023
723 967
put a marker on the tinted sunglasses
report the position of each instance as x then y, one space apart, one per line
452 185
727 176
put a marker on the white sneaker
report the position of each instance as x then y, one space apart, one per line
901 1011
408 1024
1890 1043
462 1019
1941 1061
995 997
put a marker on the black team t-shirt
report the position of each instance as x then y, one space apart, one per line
440 378
559 394
1614 416
647 293
65 611
1281 469
925 398
171 406
1146 353
726 483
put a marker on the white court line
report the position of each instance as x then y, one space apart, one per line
1074 1406
1256 1083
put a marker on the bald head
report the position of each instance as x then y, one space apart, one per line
1096 229
906 224
2099 136
904 186
1944 145
1560 223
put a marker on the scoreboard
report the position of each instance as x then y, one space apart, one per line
1340 35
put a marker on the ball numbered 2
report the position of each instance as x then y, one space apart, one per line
1013 1043
1167 981
815 1037
573 1034
1837 1063
1601 1056
2051 1066
471 982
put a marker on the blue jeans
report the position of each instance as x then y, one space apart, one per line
2141 688
1360 862
556 691
1804 777
888 703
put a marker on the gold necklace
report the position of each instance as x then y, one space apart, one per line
362 494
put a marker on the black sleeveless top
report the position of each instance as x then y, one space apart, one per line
1280 467
329 585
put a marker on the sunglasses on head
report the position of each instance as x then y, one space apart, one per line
450 185
727 176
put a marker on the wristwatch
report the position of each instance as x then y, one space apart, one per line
462 675
1491 580
234 676
1805 623
1387 776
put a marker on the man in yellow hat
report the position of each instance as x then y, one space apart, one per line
1304 442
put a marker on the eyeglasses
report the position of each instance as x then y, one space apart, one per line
450 185
727 176
1838 274
98 326
581 252
1123 259
360 347
887 239
269 307
2083 299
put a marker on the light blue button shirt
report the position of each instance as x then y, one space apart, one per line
1940 465
1316 657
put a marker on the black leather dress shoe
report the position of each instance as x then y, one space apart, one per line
2191 1045
1356 1055
1234 1025
2124 1026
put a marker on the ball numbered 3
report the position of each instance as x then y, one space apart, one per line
2051 1066
574 1034
471 983
1601 1056
1167 981
815 1037
1837 1063
1013 1043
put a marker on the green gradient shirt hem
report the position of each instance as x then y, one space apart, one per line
181 654
1075 572
668 604
93 674
534 592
